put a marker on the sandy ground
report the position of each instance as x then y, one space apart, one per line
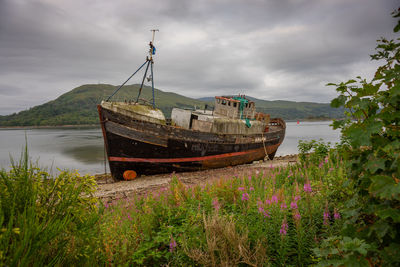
110 190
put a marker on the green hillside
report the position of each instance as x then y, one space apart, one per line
290 110
78 106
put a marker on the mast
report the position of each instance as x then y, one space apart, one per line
152 52
150 63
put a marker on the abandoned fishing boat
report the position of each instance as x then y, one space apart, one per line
140 140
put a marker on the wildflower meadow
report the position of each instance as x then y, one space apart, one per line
271 216
267 217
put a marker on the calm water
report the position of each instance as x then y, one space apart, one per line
82 148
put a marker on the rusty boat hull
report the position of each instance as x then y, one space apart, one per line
150 148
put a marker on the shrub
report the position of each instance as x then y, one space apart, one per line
372 230
313 151
45 220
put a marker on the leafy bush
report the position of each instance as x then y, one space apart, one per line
313 151
372 130
45 220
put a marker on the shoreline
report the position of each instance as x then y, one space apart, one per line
110 191
98 125
51 127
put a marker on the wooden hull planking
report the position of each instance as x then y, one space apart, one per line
150 148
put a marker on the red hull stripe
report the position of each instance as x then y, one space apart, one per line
182 159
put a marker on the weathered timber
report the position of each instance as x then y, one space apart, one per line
147 147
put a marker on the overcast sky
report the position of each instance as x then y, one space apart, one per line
269 49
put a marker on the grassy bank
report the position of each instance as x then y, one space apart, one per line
272 217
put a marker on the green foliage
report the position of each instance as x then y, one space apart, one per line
313 151
272 216
351 250
44 219
372 129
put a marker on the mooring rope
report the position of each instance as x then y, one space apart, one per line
265 150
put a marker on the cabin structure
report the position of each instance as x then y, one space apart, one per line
234 107
231 115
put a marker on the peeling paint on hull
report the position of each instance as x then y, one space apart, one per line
150 148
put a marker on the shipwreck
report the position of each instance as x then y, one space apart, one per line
139 140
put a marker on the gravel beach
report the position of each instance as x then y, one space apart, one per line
110 190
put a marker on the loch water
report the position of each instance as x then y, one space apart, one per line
82 149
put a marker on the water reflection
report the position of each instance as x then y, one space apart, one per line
90 154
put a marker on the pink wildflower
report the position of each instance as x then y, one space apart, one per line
268 202
249 177
326 217
172 244
320 165
251 188
129 217
307 188
216 204
293 205
326 159
245 197
260 206
274 198
284 228
266 214
297 198
336 214
283 206
260 209
297 216
241 188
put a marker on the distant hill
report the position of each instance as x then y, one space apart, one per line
290 110
78 106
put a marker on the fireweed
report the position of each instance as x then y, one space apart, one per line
279 209
275 215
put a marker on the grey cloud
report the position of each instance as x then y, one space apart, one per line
270 49
10 90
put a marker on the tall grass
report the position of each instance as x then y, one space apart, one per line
267 217
271 216
45 220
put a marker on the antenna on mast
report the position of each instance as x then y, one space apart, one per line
154 33
152 50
